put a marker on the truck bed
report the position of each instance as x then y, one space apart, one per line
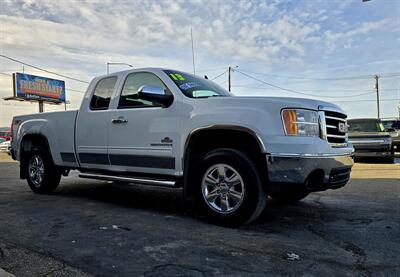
59 128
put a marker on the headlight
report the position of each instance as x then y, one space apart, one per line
388 140
298 122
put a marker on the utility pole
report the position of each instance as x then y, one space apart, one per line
229 77
377 95
41 106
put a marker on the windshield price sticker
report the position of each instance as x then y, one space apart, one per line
177 77
189 85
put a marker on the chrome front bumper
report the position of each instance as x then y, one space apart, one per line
315 171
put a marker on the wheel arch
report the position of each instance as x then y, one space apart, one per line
28 142
235 128
240 138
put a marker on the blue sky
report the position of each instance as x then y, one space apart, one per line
293 44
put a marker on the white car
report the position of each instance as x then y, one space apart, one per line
5 146
169 128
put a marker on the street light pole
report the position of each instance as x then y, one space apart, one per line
108 65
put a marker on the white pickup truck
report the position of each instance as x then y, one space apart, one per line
168 128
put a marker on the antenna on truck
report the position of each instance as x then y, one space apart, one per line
191 37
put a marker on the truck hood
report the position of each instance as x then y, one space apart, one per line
259 114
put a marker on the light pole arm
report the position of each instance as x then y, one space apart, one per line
108 65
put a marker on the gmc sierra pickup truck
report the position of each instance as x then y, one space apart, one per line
168 128
370 139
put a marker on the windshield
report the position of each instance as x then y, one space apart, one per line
366 126
196 87
392 124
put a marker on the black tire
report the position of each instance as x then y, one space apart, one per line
288 196
51 175
253 196
389 160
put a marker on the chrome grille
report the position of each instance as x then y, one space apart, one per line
336 127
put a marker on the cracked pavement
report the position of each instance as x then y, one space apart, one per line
95 228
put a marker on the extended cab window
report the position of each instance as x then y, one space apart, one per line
129 96
196 87
102 93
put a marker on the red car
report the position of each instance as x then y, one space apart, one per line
6 135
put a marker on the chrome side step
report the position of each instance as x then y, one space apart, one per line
137 180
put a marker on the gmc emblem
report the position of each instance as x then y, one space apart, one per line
342 127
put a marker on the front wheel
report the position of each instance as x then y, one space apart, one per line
389 159
42 174
229 188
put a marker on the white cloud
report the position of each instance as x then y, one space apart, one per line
332 38
78 38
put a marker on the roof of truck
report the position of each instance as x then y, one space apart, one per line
151 69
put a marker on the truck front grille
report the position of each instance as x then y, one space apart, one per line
336 127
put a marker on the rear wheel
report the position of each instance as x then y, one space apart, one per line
228 188
42 175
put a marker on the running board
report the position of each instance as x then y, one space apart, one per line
136 180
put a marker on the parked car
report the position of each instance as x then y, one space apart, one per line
5 146
168 128
393 127
5 134
370 140
393 123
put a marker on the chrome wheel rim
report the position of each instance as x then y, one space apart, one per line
36 170
222 188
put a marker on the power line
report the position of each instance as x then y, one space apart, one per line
311 90
368 100
75 90
219 75
312 79
295 91
42 69
356 77
316 90
211 69
222 83
389 75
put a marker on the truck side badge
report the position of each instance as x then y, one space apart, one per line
166 140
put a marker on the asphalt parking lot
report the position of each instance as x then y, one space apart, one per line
95 228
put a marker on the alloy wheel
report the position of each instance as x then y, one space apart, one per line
223 188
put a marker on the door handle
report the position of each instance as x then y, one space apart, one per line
119 120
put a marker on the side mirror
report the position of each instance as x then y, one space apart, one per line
155 93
